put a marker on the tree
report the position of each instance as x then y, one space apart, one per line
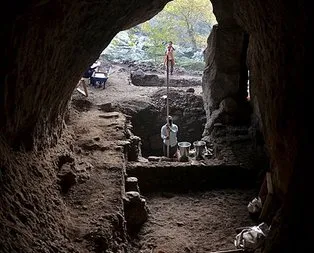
191 16
186 23
159 32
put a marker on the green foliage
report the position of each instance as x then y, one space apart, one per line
185 22
158 33
133 36
195 19
191 64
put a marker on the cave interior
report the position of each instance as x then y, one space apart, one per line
48 44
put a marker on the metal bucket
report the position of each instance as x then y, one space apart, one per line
184 148
200 147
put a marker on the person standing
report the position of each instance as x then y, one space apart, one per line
168 134
88 74
169 55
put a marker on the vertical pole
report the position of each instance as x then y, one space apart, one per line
168 145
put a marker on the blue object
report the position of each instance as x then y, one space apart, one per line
99 79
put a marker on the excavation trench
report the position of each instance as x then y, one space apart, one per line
73 208
194 206
191 206
197 205
183 178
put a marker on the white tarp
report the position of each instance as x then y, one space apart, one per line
251 238
100 75
255 206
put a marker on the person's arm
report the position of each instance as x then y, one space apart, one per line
174 128
163 133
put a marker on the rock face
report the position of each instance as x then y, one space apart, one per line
225 75
136 211
134 148
274 47
33 98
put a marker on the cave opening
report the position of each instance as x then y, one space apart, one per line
139 52
227 178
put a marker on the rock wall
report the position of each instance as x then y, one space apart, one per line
47 47
225 75
276 59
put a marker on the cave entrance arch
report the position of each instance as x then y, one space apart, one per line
188 112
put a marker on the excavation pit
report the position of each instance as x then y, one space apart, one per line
193 207
193 222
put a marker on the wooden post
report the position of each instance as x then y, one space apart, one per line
82 82
168 145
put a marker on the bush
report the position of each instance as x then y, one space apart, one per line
191 65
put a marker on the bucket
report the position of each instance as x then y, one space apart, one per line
200 147
184 148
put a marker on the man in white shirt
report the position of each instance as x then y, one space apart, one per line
168 134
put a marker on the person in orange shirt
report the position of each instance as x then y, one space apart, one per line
169 55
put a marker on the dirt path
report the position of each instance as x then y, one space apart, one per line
119 88
95 207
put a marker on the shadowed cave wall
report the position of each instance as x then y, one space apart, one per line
48 44
276 57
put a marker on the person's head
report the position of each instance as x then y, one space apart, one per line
170 43
170 120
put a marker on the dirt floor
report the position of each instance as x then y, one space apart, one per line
69 198
196 222
95 206
119 88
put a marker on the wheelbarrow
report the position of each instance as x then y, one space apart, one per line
99 79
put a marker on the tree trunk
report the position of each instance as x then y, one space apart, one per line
191 34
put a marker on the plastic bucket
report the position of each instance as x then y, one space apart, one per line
184 148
